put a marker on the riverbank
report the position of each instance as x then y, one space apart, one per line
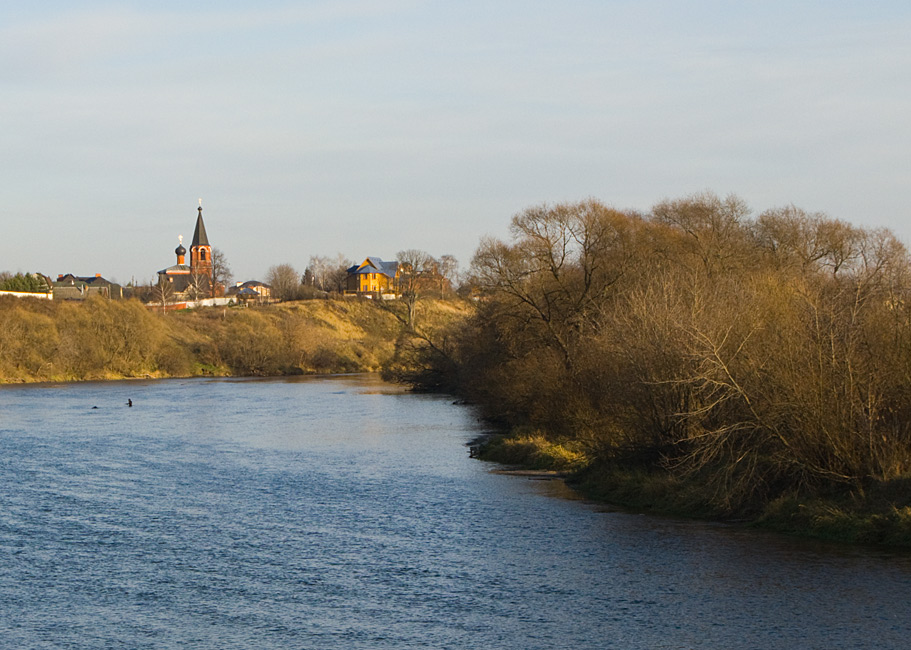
104 339
702 360
872 515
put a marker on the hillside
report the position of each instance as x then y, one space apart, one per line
101 339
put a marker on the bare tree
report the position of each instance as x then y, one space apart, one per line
789 237
339 275
416 267
448 272
163 292
318 270
221 272
715 228
285 282
565 260
199 285
328 273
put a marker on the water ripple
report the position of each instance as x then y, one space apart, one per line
341 513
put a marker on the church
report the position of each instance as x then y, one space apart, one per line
196 279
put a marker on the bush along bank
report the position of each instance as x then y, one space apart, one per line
852 517
702 360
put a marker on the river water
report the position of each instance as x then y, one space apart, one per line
344 513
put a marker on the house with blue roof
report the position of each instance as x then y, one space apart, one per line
373 278
250 290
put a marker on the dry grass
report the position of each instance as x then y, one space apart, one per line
116 339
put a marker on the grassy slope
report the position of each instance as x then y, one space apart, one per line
120 339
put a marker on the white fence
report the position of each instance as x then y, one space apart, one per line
192 304
28 294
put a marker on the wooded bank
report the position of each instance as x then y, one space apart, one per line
724 363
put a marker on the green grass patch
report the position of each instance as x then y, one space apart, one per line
857 519
209 370
535 451
643 490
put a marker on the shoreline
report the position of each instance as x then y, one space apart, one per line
309 375
859 520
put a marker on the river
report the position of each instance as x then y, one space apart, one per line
346 513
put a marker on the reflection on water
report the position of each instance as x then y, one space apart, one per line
345 513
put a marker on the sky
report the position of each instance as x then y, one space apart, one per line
366 127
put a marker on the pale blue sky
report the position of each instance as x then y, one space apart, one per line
367 127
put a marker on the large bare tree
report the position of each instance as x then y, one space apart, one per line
285 282
562 264
416 268
328 273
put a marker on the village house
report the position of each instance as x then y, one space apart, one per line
373 277
250 290
74 287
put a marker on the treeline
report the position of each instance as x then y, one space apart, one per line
108 339
744 358
24 282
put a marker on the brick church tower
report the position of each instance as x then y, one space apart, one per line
200 250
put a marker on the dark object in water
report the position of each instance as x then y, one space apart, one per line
129 402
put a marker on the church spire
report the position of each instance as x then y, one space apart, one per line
199 235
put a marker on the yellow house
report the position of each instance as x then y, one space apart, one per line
373 276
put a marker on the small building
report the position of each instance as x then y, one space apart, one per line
373 277
75 287
250 290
